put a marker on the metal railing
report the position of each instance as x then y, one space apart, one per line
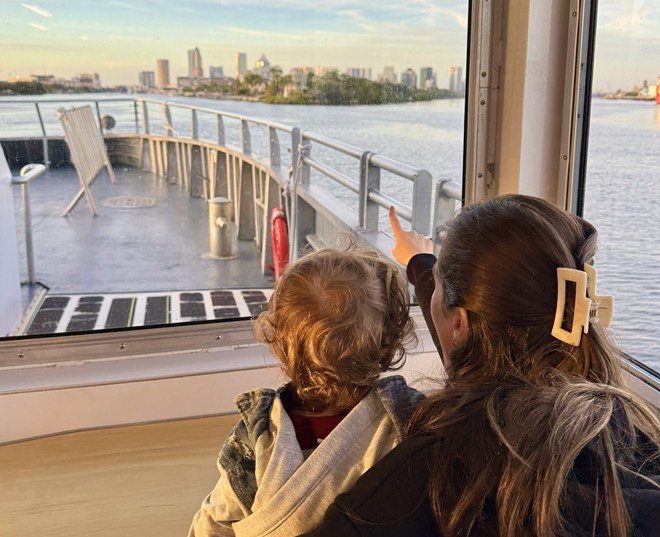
371 164
28 173
44 134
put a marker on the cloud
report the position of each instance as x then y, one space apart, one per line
259 33
84 37
38 10
39 26
638 19
359 19
432 11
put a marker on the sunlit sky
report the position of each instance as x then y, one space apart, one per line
117 39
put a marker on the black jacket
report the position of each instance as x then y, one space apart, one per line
391 498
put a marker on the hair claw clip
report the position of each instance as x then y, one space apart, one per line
593 308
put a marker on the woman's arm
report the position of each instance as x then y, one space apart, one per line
415 251
389 500
420 274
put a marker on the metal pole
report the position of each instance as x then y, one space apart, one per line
446 195
168 120
27 216
221 131
194 126
369 180
246 144
296 140
98 115
273 148
422 202
44 139
137 117
145 118
304 151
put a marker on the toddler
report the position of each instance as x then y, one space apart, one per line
337 319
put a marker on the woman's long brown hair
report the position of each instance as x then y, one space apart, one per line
520 407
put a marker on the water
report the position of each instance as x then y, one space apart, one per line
623 202
623 186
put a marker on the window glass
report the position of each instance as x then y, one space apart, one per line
622 187
198 101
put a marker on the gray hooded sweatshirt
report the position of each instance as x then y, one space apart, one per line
268 487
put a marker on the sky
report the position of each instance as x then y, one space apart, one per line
120 38
627 44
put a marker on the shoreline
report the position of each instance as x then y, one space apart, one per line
622 98
228 97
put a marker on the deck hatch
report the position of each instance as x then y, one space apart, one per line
129 202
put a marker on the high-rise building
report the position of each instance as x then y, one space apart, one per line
359 72
299 75
195 64
216 72
388 74
425 73
409 78
262 67
163 73
322 71
456 78
90 79
147 79
241 64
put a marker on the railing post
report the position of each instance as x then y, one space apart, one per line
137 117
221 131
422 202
145 118
168 120
44 139
274 148
369 180
98 115
305 150
194 126
246 144
445 208
27 216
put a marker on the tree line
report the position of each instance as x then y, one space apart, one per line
37 88
330 89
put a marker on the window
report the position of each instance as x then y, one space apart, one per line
622 187
351 106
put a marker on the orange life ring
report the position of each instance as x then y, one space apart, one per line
280 238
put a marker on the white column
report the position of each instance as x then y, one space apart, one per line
11 308
532 89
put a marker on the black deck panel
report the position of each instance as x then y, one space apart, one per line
121 313
226 313
158 310
223 298
48 316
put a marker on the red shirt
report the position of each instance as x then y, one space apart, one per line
311 430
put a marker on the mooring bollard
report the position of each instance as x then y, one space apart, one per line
222 229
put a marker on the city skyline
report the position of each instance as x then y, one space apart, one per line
119 39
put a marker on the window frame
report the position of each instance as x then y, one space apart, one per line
48 349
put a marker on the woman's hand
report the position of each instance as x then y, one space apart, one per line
407 243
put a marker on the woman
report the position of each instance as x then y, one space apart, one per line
531 435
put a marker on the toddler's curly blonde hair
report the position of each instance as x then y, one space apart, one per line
337 319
